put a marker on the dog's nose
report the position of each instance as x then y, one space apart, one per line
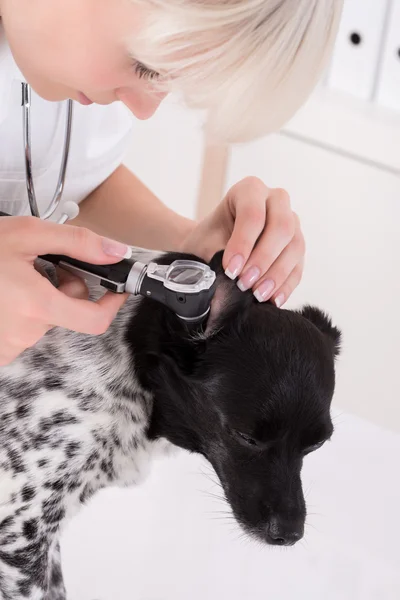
284 532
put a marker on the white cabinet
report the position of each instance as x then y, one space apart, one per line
350 127
388 90
356 57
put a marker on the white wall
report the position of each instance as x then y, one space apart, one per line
167 155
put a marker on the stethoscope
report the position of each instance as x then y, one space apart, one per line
185 286
72 208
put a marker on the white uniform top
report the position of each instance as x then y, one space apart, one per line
100 136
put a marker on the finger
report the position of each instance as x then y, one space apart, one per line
247 201
38 237
27 337
279 272
8 353
275 241
72 286
6 358
83 316
15 345
278 233
46 270
285 291
41 270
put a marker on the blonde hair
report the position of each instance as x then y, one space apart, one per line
250 63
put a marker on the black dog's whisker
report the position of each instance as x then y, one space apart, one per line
304 544
308 490
215 486
339 419
243 538
221 518
211 476
215 498
308 524
222 512
316 514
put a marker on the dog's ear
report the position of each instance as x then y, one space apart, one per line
324 323
227 297
182 345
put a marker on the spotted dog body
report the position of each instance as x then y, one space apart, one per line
73 419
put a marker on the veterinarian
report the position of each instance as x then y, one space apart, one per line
250 63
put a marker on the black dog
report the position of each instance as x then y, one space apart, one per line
250 390
252 395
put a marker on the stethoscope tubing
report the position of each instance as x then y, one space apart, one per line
30 188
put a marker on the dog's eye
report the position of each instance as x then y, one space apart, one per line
246 438
314 447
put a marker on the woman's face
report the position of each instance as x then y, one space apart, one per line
78 49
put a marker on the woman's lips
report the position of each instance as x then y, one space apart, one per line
84 99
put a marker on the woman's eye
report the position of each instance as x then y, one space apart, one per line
144 72
247 439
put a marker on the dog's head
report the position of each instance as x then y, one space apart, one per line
251 392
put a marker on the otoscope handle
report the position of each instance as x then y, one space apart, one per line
117 272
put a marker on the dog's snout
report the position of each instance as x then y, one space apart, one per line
284 532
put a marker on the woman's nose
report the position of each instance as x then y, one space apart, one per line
143 104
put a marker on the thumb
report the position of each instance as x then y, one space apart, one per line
44 237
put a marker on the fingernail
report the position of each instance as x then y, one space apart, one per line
265 290
235 266
279 300
113 248
248 279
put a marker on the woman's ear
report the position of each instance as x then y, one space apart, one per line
324 323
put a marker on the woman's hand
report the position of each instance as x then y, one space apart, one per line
264 246
29 304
